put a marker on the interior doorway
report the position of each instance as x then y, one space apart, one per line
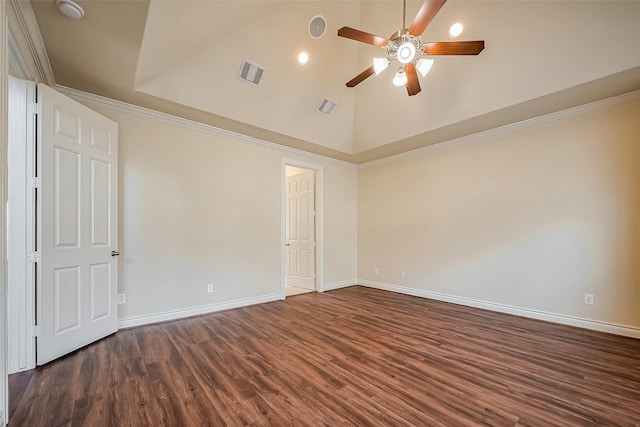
62 225
301 219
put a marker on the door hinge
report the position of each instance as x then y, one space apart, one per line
35 108
35 331
33 256
35 182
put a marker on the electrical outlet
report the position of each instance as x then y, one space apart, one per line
122 299
375 270
588 299
210 287
402 275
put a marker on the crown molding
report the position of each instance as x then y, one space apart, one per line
89 98
536 121
28 53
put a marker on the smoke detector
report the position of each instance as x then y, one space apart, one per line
70 9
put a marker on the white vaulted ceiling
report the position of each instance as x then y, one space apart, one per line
183 57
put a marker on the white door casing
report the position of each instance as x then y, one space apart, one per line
300 230
21 224
78 223
4 378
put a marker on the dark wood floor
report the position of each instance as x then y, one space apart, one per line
354 356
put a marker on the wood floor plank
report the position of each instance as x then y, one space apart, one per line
355 356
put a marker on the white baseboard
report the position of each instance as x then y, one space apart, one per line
194 311
612 328
338 285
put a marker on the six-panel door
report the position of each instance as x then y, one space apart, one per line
77 216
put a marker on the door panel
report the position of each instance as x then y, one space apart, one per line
67 299
100 291
77 276
300 226
66 175
100 212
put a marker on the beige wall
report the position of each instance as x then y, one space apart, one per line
197 208
532 218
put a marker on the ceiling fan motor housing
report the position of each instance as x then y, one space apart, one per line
403 47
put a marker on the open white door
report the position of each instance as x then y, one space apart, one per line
78 224
300 230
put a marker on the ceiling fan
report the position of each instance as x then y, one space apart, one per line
406 47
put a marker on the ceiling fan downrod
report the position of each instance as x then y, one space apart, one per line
404 14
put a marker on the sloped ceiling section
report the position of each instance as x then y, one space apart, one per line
202 72
183 57
533 48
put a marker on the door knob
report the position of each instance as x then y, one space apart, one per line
288 244
115 253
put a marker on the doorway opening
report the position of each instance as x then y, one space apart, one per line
62 225
301 225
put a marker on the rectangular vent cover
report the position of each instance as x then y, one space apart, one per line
251 72
327 106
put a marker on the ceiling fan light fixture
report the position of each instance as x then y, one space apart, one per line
380 64
406 52
405 44
423 65
400 79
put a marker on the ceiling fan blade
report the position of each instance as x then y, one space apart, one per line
360 77
425 15
361 36
454 48
413 84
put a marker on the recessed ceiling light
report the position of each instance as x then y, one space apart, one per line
456 30
70 9
303 58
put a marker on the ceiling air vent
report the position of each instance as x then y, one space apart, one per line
251 73
326 107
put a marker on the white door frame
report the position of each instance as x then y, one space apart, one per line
21 225
4 389
319 284
22 53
